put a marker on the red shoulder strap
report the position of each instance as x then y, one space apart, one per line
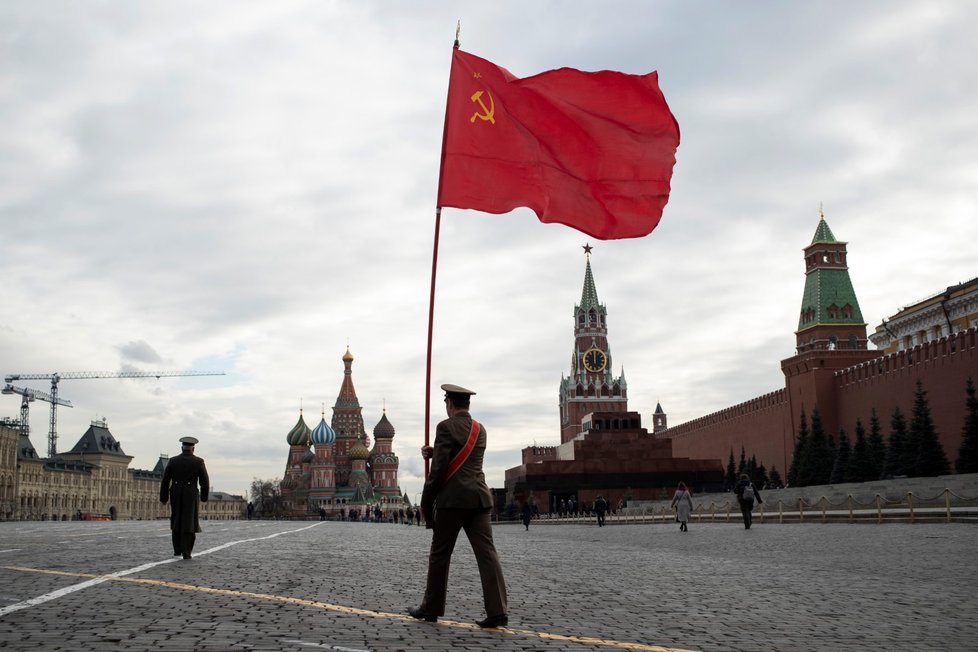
463 454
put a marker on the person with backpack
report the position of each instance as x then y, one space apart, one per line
746 494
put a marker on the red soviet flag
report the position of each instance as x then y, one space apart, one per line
592 150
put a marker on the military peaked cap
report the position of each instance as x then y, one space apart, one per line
455 389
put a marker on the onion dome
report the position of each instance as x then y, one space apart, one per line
347 357
383 428
323 434
308 457
299 435
359 451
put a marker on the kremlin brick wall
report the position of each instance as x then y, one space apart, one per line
766 426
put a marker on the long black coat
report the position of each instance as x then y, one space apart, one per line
180 479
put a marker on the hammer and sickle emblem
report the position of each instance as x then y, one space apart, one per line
488 112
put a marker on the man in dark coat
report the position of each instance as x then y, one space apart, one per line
600 507
455 501
180 479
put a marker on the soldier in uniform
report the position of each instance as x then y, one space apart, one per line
456 498
179 486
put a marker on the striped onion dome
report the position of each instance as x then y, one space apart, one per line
299 435
308 456
323 434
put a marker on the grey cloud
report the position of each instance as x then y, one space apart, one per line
139 351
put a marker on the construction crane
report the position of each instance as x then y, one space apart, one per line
55 378
27 396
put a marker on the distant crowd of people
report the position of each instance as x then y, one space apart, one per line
403 515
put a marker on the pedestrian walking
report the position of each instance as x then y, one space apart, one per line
456 487
682 502
526 515
746 494
179 486
600 507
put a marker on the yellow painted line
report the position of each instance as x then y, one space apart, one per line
316 604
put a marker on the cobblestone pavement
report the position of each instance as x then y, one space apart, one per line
292 585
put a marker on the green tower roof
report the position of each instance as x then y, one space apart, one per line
829 297
589 295
823 233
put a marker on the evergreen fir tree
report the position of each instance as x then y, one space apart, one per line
860 466
799 453
742 466
822 450
730 478
775 477
896 448
877 448
752 468
816 466
760 478
930 460
833 450
967 461
843 452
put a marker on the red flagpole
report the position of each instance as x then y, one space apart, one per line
431 322
434 270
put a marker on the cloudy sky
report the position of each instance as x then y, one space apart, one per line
249 187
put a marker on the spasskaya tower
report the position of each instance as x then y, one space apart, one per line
591 386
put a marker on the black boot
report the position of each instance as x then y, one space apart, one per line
421 614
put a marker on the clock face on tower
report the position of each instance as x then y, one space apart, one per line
595 360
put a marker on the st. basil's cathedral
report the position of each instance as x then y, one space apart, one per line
332 466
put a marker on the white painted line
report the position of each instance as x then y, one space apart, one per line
10 550
323 646
54 595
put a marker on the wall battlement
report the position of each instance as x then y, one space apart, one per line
777 399
960 345
765 426
533 454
